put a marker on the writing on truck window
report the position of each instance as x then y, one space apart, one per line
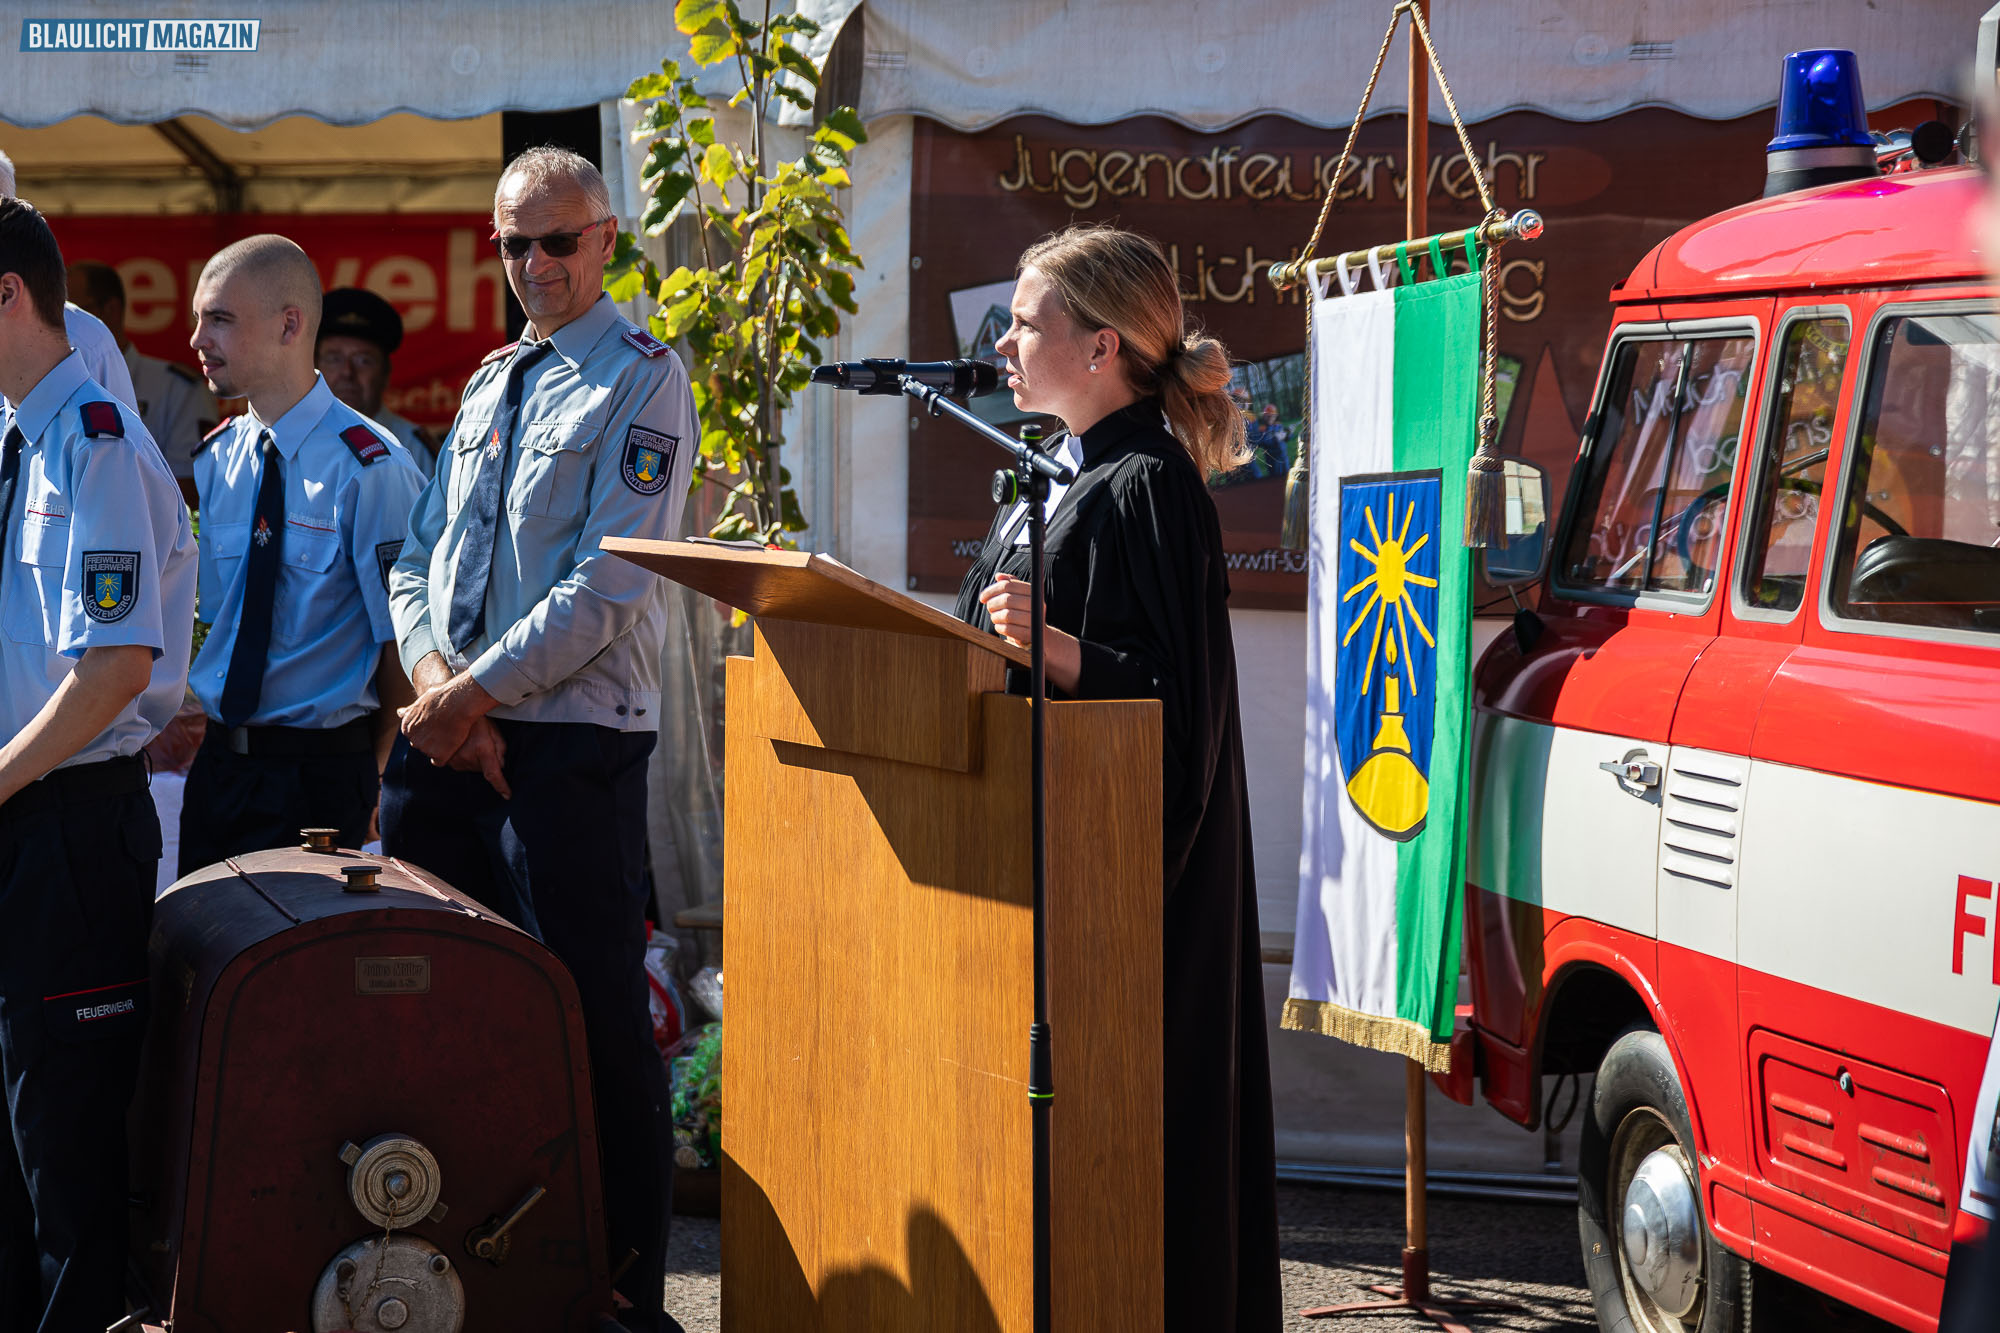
1656 485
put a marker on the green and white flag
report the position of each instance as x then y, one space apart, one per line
1381 872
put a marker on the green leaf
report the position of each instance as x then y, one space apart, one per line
794 96
846 121
662 157
797 62
625 286
691 16
718 164
668 191
701 129
713 46
798 23
649 86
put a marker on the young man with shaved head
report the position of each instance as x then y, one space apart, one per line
96 605
536 656
304 503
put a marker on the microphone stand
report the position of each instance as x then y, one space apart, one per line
1033 472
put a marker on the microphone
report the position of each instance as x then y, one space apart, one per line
883 375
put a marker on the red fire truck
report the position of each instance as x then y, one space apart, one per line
1736 827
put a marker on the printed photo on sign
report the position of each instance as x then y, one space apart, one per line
1387 676
1271 395
980 316
111 584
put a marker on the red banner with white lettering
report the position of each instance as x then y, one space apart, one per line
436 269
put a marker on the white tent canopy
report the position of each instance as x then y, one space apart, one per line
972 62
347 64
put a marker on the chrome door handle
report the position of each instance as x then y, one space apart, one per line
1635 769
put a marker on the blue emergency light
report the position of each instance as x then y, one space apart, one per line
1822 124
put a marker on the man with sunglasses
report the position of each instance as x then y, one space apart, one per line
521 773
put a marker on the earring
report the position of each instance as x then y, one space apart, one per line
1093 367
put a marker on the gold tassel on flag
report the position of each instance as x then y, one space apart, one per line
1298 494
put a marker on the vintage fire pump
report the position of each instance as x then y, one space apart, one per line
367 1106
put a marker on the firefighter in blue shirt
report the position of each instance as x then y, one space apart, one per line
304 506
536 657
96 607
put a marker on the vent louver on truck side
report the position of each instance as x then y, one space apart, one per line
1703 818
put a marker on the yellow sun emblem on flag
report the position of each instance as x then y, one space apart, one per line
1388 786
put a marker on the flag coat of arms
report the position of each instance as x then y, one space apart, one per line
1381 869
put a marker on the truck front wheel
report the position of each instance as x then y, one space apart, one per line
1653 1264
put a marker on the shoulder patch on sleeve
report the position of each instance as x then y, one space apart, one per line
497 353
111 584
649 460
102 422
647 344
365 443
176 368
385 557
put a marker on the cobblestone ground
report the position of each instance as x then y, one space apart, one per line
1336 1242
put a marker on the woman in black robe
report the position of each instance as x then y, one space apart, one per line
1138 609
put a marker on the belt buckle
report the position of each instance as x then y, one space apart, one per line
239 740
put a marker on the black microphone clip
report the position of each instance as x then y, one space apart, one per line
884 375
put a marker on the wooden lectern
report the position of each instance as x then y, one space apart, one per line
876 945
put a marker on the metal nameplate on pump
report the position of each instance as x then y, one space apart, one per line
405 975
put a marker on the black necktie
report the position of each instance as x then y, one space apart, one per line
244 685
482 506
10 467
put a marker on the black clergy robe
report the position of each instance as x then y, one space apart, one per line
1135 572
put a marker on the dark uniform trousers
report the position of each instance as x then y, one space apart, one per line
79 851
565 860
236 803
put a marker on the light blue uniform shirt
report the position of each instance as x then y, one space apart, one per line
344 526
604 446
99 553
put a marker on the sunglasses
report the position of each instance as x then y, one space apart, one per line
556 245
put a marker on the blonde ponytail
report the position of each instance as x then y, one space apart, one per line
1119 280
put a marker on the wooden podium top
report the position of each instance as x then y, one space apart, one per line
802 586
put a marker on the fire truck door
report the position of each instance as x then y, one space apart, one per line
1642 551
1708 796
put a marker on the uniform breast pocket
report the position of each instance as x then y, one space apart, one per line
552 474
42 550
460 457
222 547
301 604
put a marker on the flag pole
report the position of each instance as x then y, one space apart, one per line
1416 1129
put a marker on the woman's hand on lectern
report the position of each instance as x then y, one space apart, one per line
1009 602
